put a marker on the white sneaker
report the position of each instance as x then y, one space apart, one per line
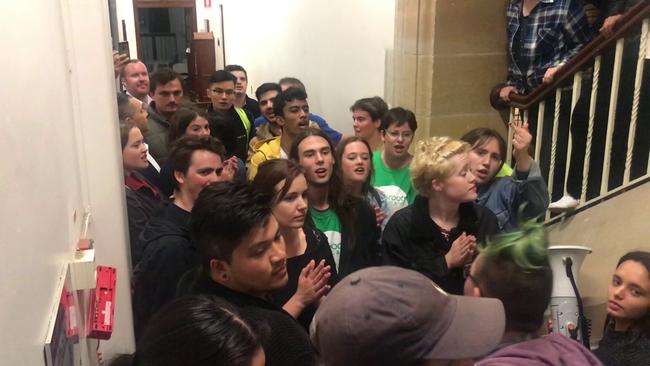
564 204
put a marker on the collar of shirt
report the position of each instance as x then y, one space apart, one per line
136 184
151 159
146 102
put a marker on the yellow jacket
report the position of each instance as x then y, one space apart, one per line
264 150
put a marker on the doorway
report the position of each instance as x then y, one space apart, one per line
164 33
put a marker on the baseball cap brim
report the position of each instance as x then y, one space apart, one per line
475 330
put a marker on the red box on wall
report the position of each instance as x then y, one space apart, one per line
102 304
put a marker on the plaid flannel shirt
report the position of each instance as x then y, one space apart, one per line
557 30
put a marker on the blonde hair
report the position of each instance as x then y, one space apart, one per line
432 161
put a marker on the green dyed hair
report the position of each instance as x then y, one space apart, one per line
514 268
527 247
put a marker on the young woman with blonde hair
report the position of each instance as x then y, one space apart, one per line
437 234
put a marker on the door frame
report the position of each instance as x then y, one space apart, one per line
144 4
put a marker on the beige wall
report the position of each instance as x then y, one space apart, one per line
448 55
611 229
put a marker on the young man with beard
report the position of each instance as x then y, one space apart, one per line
168 251
349 223
242 100
266 94
230 124
166 91
291 112
391 165
135 81
291 82
519 197
243 260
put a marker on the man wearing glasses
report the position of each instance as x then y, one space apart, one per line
231 125
168 252
515 198
391 164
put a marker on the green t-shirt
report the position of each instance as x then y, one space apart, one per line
327 222
395 184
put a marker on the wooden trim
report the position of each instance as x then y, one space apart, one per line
596 47
164 4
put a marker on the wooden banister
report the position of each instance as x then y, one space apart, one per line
630 19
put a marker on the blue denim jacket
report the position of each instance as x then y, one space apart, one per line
506 195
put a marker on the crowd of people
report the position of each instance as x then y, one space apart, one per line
261 235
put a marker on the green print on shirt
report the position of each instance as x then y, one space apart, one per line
327 222
395 184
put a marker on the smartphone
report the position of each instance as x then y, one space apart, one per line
123 48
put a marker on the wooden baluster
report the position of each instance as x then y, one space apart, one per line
540 129
590 129
556 121
575 94
613 100
637 98
514 115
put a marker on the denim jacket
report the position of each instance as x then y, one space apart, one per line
505 196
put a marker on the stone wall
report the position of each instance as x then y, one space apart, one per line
448 55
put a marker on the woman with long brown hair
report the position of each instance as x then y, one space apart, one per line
310 264
627 330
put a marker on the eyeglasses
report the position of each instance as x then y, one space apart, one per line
227 92
397 134
467 274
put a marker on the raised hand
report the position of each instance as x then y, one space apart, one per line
521 140
312 286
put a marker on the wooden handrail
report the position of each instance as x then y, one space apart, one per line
629 20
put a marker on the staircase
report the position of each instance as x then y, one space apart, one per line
605 88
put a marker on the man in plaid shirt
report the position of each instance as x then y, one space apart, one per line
542 36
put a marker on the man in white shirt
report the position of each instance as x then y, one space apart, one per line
135 80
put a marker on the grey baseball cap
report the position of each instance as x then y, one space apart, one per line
394 316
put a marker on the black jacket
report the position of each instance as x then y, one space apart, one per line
230 130
412 240
167 254
365 251
629 348
141 205
284 341
252 107
317 249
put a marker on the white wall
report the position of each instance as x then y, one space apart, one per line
336 47
60 154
